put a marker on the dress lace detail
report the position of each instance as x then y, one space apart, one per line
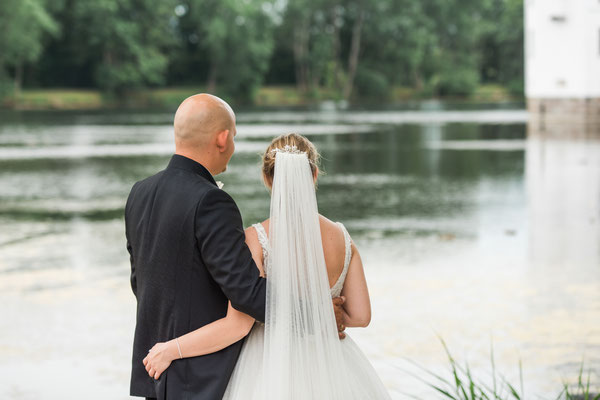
263 239
336 290
250 379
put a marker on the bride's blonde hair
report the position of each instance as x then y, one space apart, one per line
289 139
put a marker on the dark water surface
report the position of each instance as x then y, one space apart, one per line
467 228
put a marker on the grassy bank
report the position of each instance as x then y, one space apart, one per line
169 98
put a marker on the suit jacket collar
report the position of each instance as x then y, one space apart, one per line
182 162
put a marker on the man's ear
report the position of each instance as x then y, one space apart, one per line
222 140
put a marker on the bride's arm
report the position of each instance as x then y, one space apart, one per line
205 340
211 337
357 308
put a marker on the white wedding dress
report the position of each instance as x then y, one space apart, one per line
245 383
296 354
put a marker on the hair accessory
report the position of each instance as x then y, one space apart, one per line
288 149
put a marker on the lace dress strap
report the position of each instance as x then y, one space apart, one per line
263 239
339 284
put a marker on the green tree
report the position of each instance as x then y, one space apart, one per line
351 49
396 41
325 38
231 40
453 59
511 52
24 24
310 30
501 44
125 39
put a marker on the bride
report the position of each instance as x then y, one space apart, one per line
308 259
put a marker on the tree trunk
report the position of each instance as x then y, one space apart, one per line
418 80
211 81
107 83
18 78
354 52
297 49
300 49
335 15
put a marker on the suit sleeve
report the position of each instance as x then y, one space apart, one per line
133 279
220 236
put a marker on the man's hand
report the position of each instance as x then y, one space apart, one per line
339 315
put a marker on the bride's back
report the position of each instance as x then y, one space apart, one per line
332 239
352 283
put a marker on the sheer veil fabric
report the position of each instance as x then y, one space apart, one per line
302 356
296 354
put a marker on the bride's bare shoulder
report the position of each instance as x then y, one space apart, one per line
265 225
331 232
252 235
327 223
255 247
252 240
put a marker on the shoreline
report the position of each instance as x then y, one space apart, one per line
70 99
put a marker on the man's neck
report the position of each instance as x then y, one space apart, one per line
204 161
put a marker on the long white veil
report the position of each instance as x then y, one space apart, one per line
302 353
296 354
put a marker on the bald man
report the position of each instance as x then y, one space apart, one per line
188 255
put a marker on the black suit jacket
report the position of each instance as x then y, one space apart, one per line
188 258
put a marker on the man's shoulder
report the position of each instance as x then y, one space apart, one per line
188 187
212 195
175 177
192 180
145 183
217 204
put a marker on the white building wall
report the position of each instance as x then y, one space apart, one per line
562 48
593 42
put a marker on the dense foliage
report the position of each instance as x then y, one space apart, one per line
350 48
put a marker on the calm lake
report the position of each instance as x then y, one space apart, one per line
469 228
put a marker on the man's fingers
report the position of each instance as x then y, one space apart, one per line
145 360
339 312
342 335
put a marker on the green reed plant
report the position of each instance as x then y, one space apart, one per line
581 391
462 385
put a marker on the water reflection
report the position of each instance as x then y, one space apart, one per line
469 226
563 183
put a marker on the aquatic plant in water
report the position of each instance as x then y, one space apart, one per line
462 385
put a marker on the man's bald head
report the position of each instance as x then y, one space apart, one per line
199 118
